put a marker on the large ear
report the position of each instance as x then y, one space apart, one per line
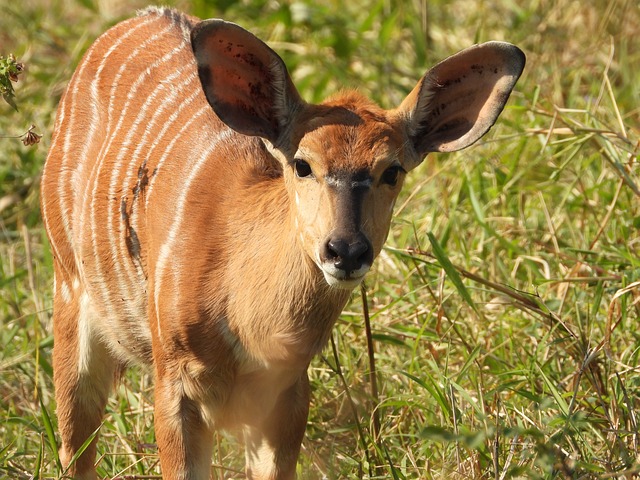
459 99
244 80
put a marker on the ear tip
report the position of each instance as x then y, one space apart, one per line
210 26
516 58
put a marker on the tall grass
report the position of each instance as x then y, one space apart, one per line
505 308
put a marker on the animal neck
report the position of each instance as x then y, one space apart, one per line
280 305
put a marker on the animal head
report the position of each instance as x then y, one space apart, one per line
344 161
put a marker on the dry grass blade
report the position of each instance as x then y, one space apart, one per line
373 381
524 301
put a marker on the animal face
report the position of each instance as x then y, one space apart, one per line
343 179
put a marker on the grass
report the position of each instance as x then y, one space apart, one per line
505 308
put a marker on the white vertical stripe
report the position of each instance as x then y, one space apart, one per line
84 334
65 292
99 278
173 98
116 228
184 105
83 197
71 137
95 102
165 251
64 168
196 116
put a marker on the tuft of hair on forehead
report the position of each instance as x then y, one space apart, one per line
359 104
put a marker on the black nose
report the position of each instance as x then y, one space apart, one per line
348 254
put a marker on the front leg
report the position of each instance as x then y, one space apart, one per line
272 447
185 440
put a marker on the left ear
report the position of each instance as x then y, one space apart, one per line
459 99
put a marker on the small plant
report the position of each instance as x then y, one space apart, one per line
10 68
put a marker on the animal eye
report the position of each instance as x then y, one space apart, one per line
390 175
302 168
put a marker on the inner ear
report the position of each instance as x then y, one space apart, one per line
245 82
458 100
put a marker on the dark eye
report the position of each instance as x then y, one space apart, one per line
390 175
302 168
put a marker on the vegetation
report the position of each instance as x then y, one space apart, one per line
504 311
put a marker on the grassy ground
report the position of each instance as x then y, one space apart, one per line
504 310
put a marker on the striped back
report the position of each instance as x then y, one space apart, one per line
133 112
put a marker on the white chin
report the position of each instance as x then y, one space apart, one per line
343 283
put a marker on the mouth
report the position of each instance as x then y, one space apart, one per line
342 279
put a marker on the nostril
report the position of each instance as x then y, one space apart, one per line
337 249
359 250
349 255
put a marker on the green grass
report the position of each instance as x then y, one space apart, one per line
505 309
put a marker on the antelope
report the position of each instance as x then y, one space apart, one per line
209 223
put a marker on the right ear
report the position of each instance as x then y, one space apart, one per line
244 80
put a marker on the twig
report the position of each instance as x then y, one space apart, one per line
372 363
352 404
512 449
523 301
